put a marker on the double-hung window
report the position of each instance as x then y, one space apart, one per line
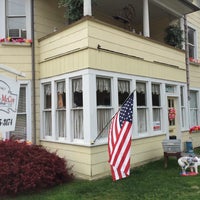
15 18
103 93
141 107
192 42
156 106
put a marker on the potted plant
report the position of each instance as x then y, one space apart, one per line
174 36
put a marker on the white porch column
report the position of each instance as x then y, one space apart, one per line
87 7
146 18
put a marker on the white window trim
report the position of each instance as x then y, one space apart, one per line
3 18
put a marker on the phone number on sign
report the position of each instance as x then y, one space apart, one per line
6 122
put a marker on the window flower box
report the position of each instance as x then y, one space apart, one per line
194 129
194 60
10 40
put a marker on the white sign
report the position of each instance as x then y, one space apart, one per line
9 95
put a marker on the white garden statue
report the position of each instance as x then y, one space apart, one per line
191 162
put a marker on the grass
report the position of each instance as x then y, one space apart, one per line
149 182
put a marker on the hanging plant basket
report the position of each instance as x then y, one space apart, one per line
174 36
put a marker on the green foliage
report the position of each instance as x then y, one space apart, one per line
149 182
74 9
174 36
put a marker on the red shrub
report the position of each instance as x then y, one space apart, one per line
29 167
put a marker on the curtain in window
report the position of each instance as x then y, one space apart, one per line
47 113
77 113
47 123
61 123
123 91
61 112
77 92
61 94
103 117
142 123
103 91
47 95
78 124
141 94
193 108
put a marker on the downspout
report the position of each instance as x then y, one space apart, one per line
33 73
187 63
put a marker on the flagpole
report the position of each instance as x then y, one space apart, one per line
111 118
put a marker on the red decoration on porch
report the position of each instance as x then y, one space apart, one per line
171 113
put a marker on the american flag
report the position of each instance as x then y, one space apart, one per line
119 140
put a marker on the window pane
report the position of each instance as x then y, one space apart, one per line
103 117
155 95
103 91
142 120
78 124
156 119
191 35
191 51
47 96
141 94
61 123
22 100
123 91
193 99
47 123
61 95
16 7
77 92
16 27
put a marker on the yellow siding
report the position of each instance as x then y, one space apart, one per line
17 57
76 48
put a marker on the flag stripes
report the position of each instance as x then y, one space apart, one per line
119 141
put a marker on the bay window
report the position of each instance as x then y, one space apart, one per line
156 107
103 93
47 114
61 110
77 108
141 107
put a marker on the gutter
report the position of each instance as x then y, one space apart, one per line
33 74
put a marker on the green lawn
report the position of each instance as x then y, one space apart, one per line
149 182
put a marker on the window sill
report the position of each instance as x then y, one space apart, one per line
19 44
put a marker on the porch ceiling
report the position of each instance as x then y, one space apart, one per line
176 8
